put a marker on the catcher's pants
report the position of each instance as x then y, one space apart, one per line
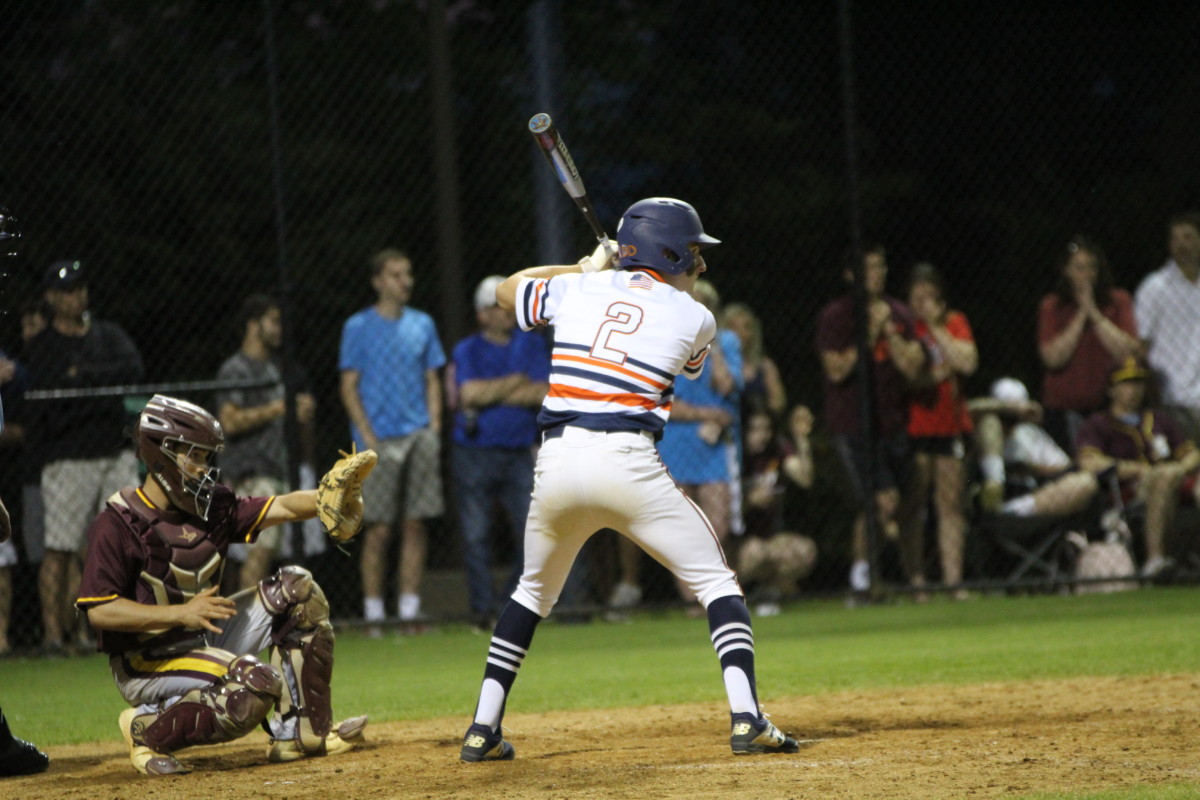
587 480
145 681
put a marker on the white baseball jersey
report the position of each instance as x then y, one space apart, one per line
620 338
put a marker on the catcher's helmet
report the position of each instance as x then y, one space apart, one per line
655 233
10 234
178 441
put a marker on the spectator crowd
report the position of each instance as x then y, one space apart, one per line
1109 444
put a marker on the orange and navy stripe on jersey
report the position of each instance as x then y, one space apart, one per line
620 338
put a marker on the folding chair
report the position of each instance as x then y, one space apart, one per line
1035 542
1038 543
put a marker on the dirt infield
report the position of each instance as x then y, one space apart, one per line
925 744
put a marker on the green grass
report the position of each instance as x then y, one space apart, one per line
1159 792
813 648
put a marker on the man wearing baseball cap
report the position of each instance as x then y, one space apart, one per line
1025 472
495 384
1156 464
81 439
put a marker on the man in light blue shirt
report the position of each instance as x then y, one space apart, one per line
389 361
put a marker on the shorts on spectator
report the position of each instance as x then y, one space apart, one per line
406 482
893 458
259 486
75 490
940 446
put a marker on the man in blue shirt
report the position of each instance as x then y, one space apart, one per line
389 362
496 383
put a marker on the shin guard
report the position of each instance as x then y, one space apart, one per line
222 712
302 647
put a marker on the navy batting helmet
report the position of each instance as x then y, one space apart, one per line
10 234
655 233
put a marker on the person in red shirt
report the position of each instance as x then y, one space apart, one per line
938 422
898 358
1085 326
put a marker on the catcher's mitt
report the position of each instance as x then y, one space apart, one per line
339 495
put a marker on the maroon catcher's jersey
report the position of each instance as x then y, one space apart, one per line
161 557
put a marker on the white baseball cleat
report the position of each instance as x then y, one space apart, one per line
344 737
145 760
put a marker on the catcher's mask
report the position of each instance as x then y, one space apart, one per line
178 442
655 233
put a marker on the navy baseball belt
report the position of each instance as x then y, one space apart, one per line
557 432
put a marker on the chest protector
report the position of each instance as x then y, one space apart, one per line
182 559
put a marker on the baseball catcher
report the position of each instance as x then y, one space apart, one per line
183 656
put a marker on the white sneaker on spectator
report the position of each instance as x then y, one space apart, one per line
860 576
624 597
1156 566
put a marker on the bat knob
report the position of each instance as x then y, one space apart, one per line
540 123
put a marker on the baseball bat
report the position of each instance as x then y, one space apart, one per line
555 150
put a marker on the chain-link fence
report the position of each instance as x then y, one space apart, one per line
191 155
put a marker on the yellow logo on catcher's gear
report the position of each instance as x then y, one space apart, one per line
475 740
741 729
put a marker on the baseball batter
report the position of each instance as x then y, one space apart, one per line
183 657
621 337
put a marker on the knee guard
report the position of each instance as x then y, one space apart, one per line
302 647
222 712
294 599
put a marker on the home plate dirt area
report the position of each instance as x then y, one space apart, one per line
980 741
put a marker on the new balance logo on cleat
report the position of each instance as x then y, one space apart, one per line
482 744
751 735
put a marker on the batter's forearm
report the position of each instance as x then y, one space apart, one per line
506 292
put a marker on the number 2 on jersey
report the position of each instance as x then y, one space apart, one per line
622 318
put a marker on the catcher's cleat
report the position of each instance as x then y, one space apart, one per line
345 736
20 757
145 760
751 734
481 744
